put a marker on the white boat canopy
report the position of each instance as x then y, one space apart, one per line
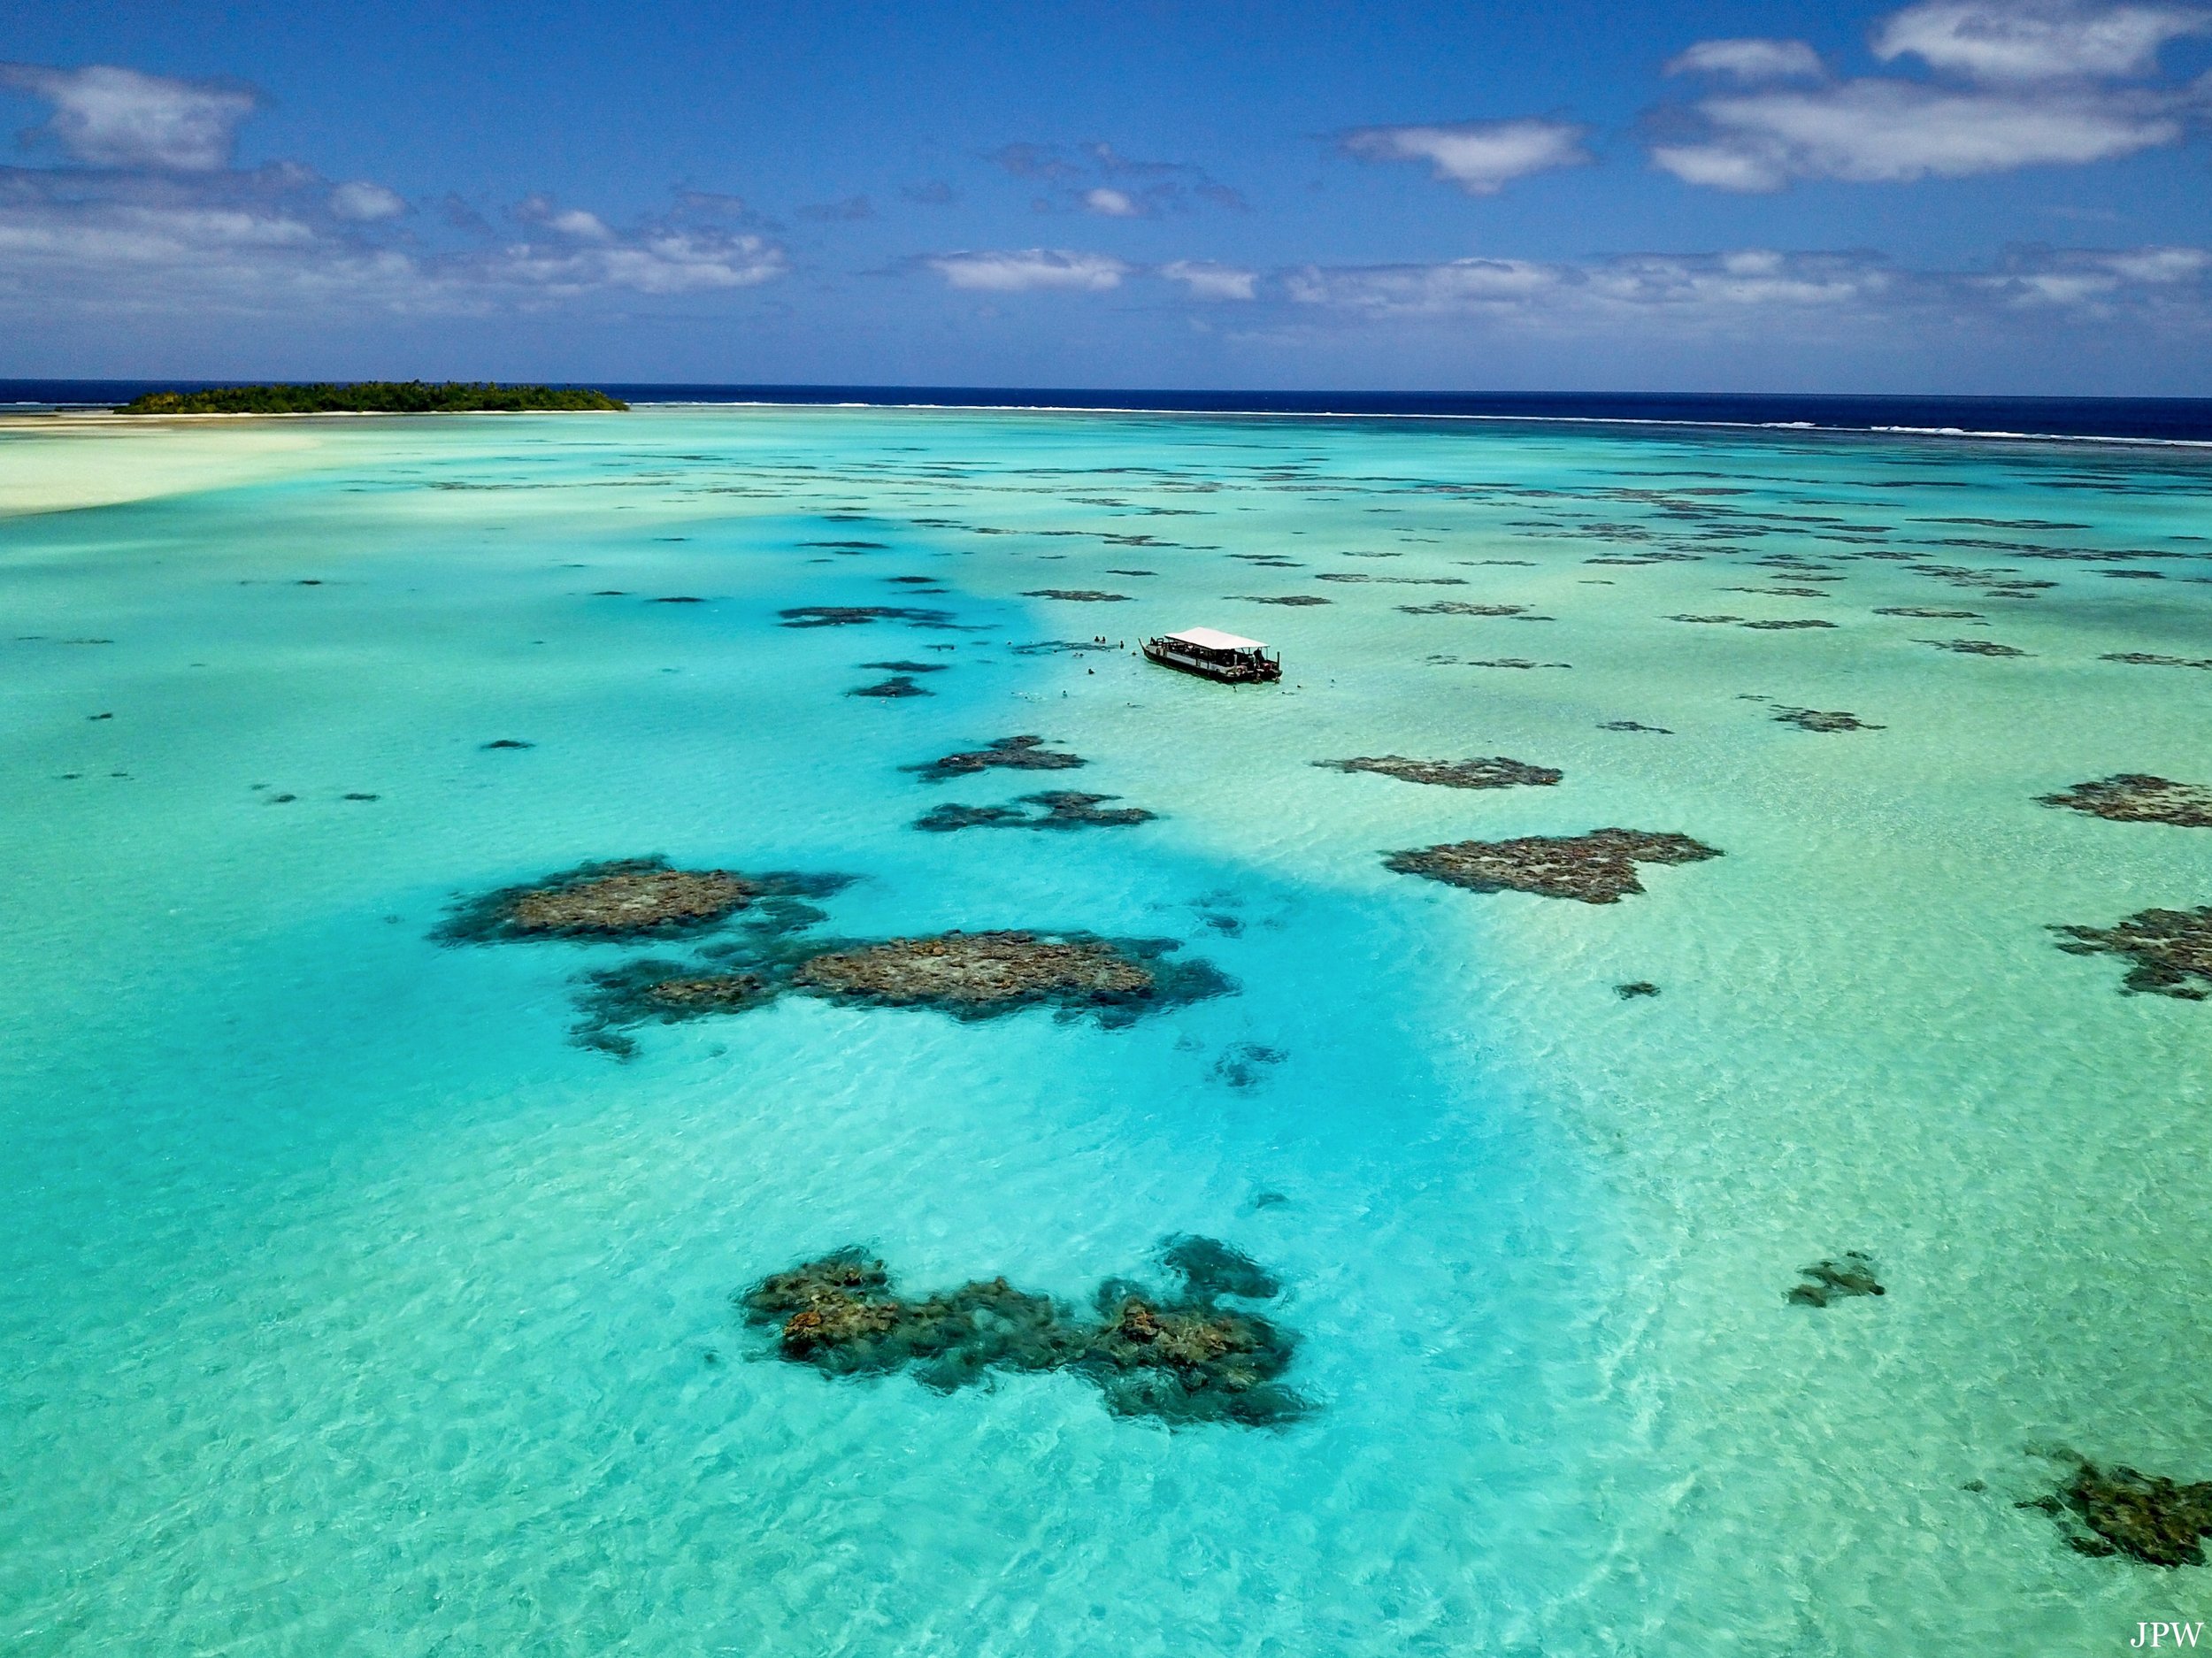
1212 639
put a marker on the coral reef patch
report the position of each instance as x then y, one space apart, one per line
1824 719
2137 797
969 975
661 992
983 975
1181 1358
1832 1280
859 615
2119 1511
1456 607
1973 646
625 898
1635 988
1056 809
2168 948
1597 868
2146 659
1018 754
1495 772
897 685
1078 596
1281 598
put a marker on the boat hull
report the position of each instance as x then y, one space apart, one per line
1259 672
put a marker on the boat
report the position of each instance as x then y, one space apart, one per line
1213 655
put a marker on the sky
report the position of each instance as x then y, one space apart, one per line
1950 196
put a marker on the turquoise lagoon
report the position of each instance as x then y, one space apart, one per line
350 1306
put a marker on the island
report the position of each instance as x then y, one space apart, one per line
375 396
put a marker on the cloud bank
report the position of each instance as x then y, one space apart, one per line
1028 271
2034 85
146 215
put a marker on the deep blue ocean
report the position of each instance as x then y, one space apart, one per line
2168 419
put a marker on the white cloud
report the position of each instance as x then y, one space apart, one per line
669 262
2037 93
1029 269
259 245
107 117
2100 283
574 222
1878 131
1482 157
1749 60
1205 280
1746 281
1763 294
364 202
2019 40
1112 203
2161 264
1458 286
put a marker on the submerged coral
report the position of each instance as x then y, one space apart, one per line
1823 719
1495 772
1282 598
1973 646
2137 797
897 685
1597 868
1456 607
858 615
1078 596
661 992
626 898
1057 809
2168 948
1630 725
1830 1281
2146 659
2121 1511
1239 1067
1182 1358
980 975
972 976
1020 753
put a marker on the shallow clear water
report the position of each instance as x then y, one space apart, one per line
351 1306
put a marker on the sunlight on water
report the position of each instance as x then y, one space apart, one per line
356 1302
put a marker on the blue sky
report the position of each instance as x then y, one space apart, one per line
1966 196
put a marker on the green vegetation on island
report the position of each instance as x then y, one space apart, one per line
375 396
